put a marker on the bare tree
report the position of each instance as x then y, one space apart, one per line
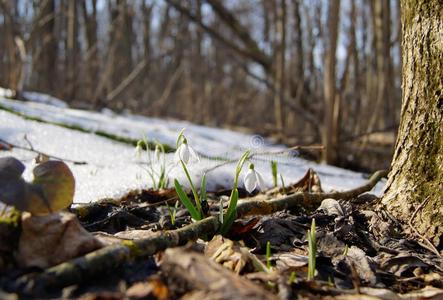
230 63
413 192
279 65
45 47
332 107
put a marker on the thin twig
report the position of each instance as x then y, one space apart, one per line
430 246
31 149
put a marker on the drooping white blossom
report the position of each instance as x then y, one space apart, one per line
139 149
185 153
157 152
253 179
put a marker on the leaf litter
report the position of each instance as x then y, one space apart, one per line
357 257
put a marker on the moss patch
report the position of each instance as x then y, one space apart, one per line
11 218
135 250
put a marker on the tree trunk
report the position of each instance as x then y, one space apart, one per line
71 52
381 21
416 176
46 48
279 67
330 124
91 56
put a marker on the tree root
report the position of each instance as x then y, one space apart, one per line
110 257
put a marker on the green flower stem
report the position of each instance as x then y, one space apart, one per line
194 191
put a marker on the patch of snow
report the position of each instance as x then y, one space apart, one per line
113 169
44 98
213 142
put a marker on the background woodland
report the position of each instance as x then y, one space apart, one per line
301 72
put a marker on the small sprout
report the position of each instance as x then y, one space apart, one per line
172 212
268 255
156 164
203 196
253 179
282 184
345 252
274 172
312 251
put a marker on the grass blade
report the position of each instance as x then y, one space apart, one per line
231 213
312 248
268 255
203 189
186 202
282 184
274 172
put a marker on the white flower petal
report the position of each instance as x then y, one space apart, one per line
184 153
250 181
177 155
260 181
157 153
193 155
138 151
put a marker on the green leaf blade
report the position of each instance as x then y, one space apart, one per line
231 213
186 202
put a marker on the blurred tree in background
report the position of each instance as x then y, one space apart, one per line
300 71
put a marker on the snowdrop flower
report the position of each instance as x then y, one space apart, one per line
185 153
253 179
157 152
139 148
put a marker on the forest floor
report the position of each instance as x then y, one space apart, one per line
133 241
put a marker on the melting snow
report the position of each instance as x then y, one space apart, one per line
112 168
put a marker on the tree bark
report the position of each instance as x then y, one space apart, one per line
417 166
330 124
279 66
91 56
71 51
46 48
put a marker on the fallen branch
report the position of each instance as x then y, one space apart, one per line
110 257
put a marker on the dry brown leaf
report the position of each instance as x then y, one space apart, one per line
227 253
208 279
286 261
310 182
49 240
154 288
